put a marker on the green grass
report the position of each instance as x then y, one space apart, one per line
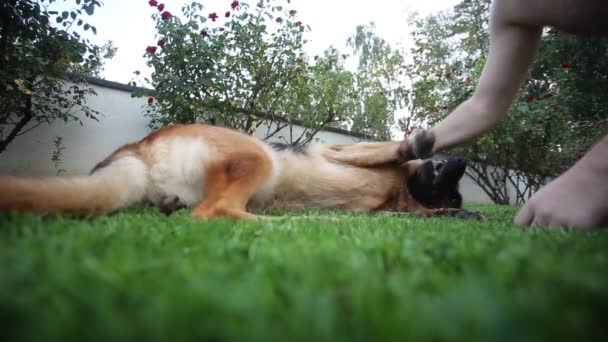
139 275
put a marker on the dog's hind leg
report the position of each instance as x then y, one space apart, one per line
230 183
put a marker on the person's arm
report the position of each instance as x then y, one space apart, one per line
512 50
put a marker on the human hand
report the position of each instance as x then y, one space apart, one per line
576 199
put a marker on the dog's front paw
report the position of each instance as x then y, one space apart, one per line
417 145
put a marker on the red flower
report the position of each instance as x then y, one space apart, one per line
151 49
279 20
161 7
161 43
298 23
150 100
153 3
234 4
444 107
213 16
292 12
222 29
540 121
166 15
448 74
204 33
227 14
548 96
565 65
300 60
530 98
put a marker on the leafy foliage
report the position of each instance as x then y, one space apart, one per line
560 111
37 47
246 68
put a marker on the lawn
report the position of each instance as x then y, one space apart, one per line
139 275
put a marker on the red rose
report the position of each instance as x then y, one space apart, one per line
565 65
222 29
540 121
166 15
548 96
298 23
161 43
213 16
227 14
204 33
151 49
153 3
161 7
448 74
150 100
234 4
292 12
530 98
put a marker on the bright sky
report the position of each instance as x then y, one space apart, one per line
129 24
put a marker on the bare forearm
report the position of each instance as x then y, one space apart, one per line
470 120
512 50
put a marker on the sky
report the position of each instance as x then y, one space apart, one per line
129 25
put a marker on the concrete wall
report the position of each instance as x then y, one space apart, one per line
122 122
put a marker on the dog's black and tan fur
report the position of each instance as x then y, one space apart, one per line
220 172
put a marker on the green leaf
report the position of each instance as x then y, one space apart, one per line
65 14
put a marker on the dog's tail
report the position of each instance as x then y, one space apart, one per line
121 183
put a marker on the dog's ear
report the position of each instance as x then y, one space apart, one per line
451 171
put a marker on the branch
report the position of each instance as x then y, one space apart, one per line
27 116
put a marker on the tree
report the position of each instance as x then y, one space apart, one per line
246 68
38 46
379 83
242 69
559 112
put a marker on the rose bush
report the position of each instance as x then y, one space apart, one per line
243 70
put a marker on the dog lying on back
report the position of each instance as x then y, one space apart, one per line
221 173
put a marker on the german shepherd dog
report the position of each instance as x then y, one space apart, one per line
219 172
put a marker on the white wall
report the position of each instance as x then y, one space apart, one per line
121 122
